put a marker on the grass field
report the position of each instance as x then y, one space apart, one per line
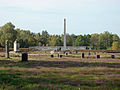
67 73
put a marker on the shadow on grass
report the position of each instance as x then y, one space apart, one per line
59 64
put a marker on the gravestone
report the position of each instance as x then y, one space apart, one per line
7 49
98 56
52 56
66 53
24 57
112 56
82 55
60 56
16 47
52 52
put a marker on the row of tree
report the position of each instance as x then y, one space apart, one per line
26 38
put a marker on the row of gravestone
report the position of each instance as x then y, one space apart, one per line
82 56
97 56
59 55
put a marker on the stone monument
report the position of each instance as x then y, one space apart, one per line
16 46
64 34
7 49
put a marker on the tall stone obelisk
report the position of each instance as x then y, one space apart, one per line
64 34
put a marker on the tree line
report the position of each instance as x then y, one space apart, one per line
105 40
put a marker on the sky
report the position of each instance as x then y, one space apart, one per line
83 16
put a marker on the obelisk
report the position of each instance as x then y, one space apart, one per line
64 34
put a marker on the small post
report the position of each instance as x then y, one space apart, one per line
7 49
66 53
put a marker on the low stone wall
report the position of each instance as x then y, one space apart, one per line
46 48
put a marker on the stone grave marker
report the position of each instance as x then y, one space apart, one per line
98 56
52 56
16 47
113 56
52 52
66 53
82 55
7 49
60 56
24 57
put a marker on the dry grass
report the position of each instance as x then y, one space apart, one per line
42 72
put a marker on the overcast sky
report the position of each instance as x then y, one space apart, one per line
83 16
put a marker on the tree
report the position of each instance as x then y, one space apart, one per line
94 41
7 32
105 40
115 38
87 40
55 40
22 38
52 40
59 41
37 37
44 37
68 40
73 38
79 41
31 41
115 46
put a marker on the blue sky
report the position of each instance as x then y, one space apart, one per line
83 16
